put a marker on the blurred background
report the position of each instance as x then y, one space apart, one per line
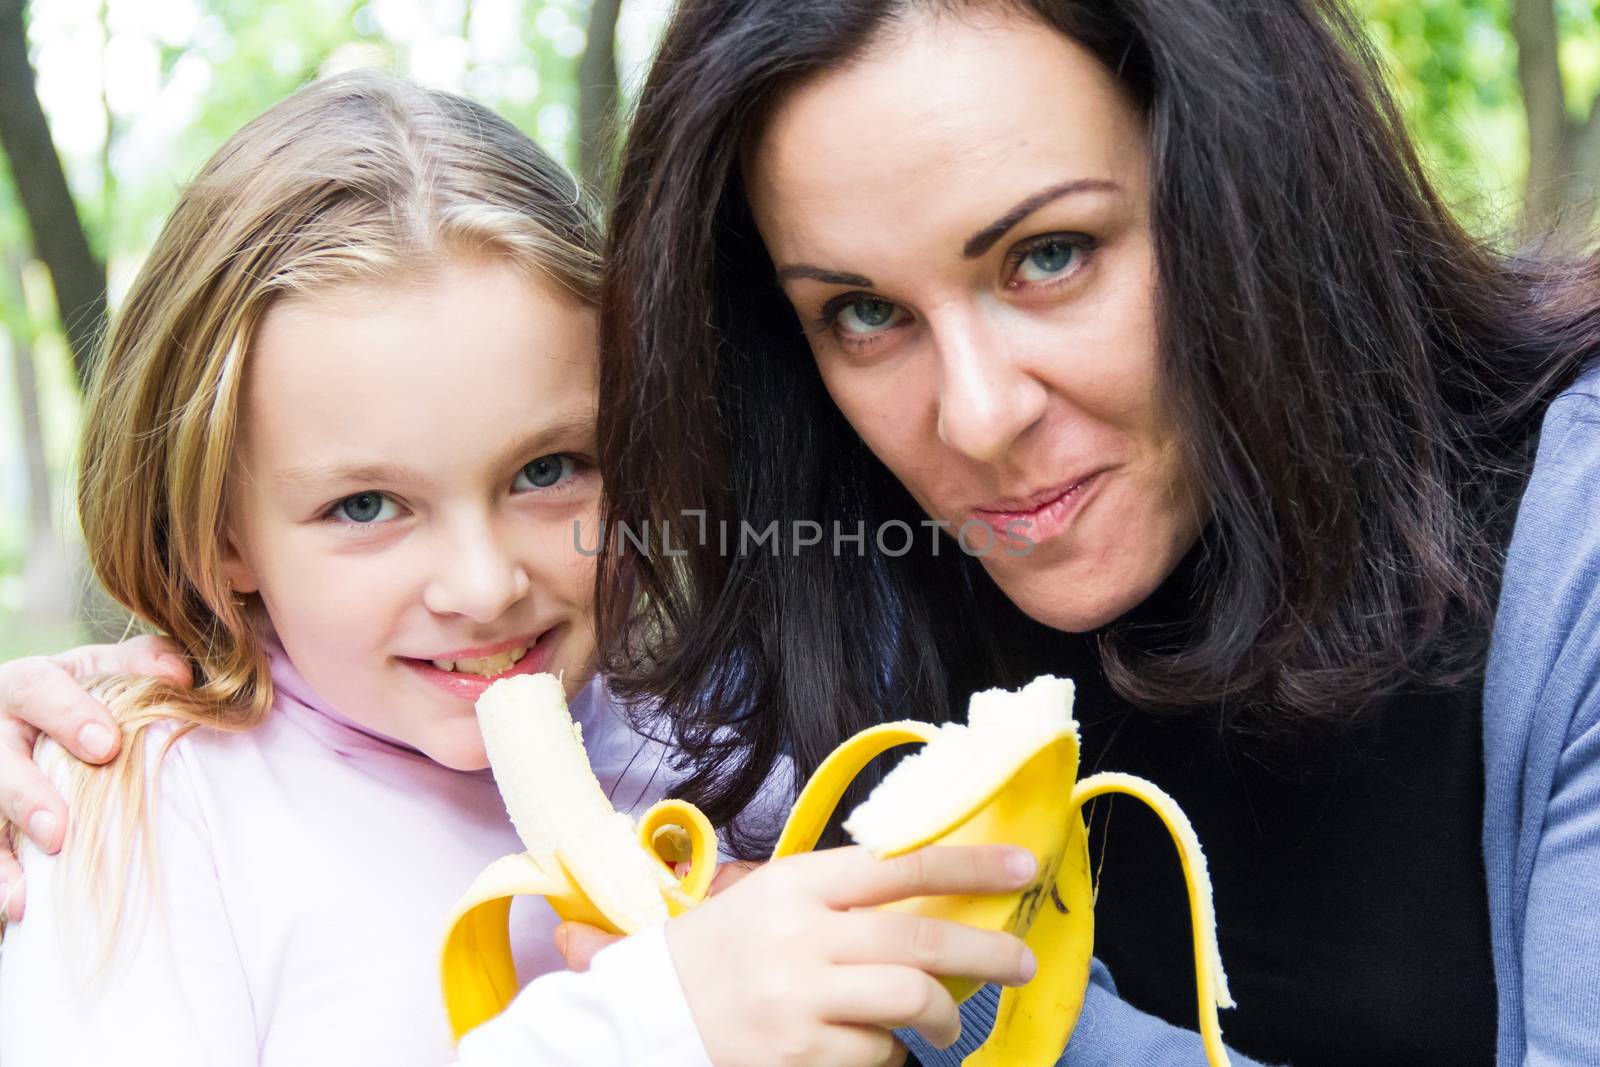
108 106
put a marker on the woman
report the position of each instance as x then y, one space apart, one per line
1166 283
1161 288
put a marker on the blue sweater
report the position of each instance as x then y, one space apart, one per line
1541 824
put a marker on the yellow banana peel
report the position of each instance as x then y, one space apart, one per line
1009 775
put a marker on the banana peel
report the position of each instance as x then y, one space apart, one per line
1010 775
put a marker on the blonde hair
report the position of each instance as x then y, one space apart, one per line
361 177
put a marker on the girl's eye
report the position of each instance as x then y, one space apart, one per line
544 472
363 508
1048 260
867 314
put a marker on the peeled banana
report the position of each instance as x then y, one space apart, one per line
1008 775
586 858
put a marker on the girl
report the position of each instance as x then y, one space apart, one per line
341 449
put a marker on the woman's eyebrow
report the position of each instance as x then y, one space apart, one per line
976 245
984 239
831 277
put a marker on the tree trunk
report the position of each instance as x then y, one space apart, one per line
78 277
1533 23
598 94
108 173
46 585
1583 185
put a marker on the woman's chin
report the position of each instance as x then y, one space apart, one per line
1071 602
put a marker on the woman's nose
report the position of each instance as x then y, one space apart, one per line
987 399
476 575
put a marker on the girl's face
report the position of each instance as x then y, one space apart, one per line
960 219
412 461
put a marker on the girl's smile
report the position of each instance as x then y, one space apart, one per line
466 673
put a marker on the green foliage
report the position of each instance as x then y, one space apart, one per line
244 56
1452 63
1453 66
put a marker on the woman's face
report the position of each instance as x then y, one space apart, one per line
959 217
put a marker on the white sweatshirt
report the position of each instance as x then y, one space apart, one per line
305 872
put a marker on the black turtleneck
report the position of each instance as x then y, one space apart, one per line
1350 893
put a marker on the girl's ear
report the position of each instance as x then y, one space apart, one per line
240 575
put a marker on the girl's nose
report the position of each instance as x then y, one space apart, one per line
986 398
476 576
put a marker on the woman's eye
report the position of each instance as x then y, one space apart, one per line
867 314
365 508
544 472
1048 260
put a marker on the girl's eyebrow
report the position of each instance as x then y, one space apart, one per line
562 430
365 473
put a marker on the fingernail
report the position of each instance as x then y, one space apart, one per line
42 828
1029 965
561 939
95 740
1021 864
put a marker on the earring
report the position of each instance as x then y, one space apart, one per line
235 596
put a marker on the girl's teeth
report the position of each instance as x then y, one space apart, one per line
486 666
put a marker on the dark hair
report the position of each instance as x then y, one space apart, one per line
1358 380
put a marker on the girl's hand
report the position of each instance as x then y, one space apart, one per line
44 694
791 967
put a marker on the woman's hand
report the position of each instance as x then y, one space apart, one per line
44 694
793 966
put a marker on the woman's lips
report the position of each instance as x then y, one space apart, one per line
470 687
1043 520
